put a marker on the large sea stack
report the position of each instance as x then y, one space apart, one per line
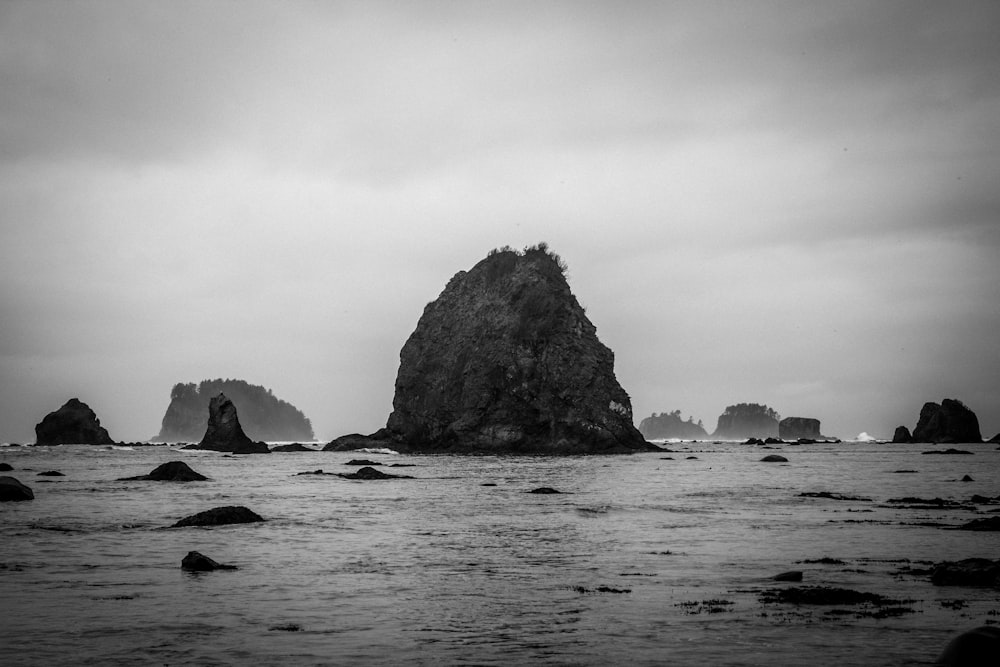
947 423
72 424
795 428
224 433
747 420
506 361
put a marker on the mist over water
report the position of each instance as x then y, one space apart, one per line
641 559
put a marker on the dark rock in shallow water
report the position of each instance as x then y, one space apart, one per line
949 451
949 422
822 595
51 473
5 467
72 424
293 447
975 648
988 524
967 479
505 360
793 575
774 458
172 471
218 516
346 443
224 433
902 435
197 562
315 472
968 572
832 496
12 490
371 473
362 462
544 490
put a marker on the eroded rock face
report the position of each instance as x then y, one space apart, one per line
902 435
949 422
506 360
793 428
224 433
72 424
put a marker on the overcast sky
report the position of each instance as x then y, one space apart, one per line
795 204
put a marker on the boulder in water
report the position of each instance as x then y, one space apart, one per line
949 422
371 473
218 516
51 473
774 458
11 489
224 433
975 648
72 424
172 471
293 447
6 467
198 562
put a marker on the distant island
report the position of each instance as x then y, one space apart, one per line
671 425
747 420
263 416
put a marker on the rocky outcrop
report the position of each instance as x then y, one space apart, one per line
219 516
948 422
264 416
747 420
172 471
72 424
978 647
505 360
796 428
224 433
293 447
6 467
968 572
670 425
774 458
902 436
368 472
195 561
11 489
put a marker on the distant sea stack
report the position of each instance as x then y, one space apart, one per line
948 422
72 424
800 428
264 416
671 425
224 433
747 420
506 361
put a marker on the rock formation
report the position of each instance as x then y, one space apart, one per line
949 422
747 420
72 424
264 416
172 471
195 561
224 433
219 516
11 489
506 361
670 425
978 647
796 428
902 435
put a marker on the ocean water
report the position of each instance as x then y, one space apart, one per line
641 560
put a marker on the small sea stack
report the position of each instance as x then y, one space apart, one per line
72 424
172 471
224 433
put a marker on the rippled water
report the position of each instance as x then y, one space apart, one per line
461 565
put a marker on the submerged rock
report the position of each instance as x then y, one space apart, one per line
224 433
792 575
948 422
371 473
833 496
991 524
198 562
293 447
172 471
12 490
506 360
51 473
968 572
218 516
950 451
72 424
822 595
774 458
362 462
544 490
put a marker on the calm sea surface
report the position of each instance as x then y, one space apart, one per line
641 561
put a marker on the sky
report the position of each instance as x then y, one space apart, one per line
789 203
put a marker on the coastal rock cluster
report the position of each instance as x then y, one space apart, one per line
506 360
671 425
72 424
948 422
